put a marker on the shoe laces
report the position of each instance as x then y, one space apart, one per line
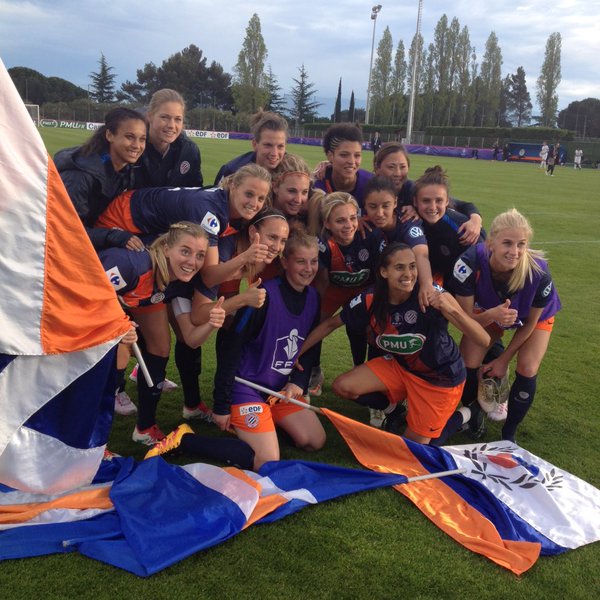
155 433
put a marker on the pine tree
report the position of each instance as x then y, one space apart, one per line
337 113
102 88
276 101
548 81
303 104
398 84
380 104
518 100
491 82
351 109
249 88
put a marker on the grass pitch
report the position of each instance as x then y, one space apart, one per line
377 544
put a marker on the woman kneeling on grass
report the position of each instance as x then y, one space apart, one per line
418 360
503 284
262 346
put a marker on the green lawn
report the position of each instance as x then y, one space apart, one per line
377 544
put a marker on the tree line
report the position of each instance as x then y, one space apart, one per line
453 88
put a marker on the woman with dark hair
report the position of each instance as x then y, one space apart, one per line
418 360
101 169
270 134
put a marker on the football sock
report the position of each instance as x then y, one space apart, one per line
120 380
457 419
520 400
377 400
148 397
230 451
469 393
358 346
189 365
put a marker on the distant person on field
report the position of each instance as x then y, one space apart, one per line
544 155
505 153
270 132
495 151
170 158
376 142
578 158
101 169
551 161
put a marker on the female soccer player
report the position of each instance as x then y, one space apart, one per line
170 158
101 169
393 161
270 132
418 359
144 282
342 143
262 346
504 284
441 224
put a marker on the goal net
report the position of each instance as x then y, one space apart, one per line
34 112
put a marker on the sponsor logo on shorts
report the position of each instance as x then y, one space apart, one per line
462 270
210 223
116 279
415 232
286 350
184 167
251 409
406 343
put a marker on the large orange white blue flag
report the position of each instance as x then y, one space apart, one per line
510 505
144 517
59 319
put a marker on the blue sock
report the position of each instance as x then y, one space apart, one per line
376 400
520 400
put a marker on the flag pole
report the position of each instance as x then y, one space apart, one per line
265 390
142 363
260 388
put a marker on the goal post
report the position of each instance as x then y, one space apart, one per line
34 113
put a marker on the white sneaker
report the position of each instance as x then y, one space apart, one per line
499 413
376 417
124 405
201 412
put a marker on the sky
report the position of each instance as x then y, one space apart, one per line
64 38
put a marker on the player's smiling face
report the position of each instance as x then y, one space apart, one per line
270 148
395 167
247 198
274 233
345 160
291 193
128 143
431 202
400 273
301 266
342 223
165 125
507 248
186 257
381 209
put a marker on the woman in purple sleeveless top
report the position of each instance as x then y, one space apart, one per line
504 284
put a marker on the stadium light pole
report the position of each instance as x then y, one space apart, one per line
413 79
374 12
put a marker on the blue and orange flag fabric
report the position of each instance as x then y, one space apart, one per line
59 319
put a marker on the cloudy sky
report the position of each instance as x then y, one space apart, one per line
64 38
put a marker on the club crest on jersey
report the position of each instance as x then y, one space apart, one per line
322 246
210 223
157 298
410 317
462 270
406 343
184 167
116 279
363 255
286 350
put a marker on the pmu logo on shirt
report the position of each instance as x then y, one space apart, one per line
346 279
406 343
116 279
286 350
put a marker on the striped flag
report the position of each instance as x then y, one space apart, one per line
59 320
510 505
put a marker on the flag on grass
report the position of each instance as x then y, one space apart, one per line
59 316
144 517
510 506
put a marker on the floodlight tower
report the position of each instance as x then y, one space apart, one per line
374 12
413 84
